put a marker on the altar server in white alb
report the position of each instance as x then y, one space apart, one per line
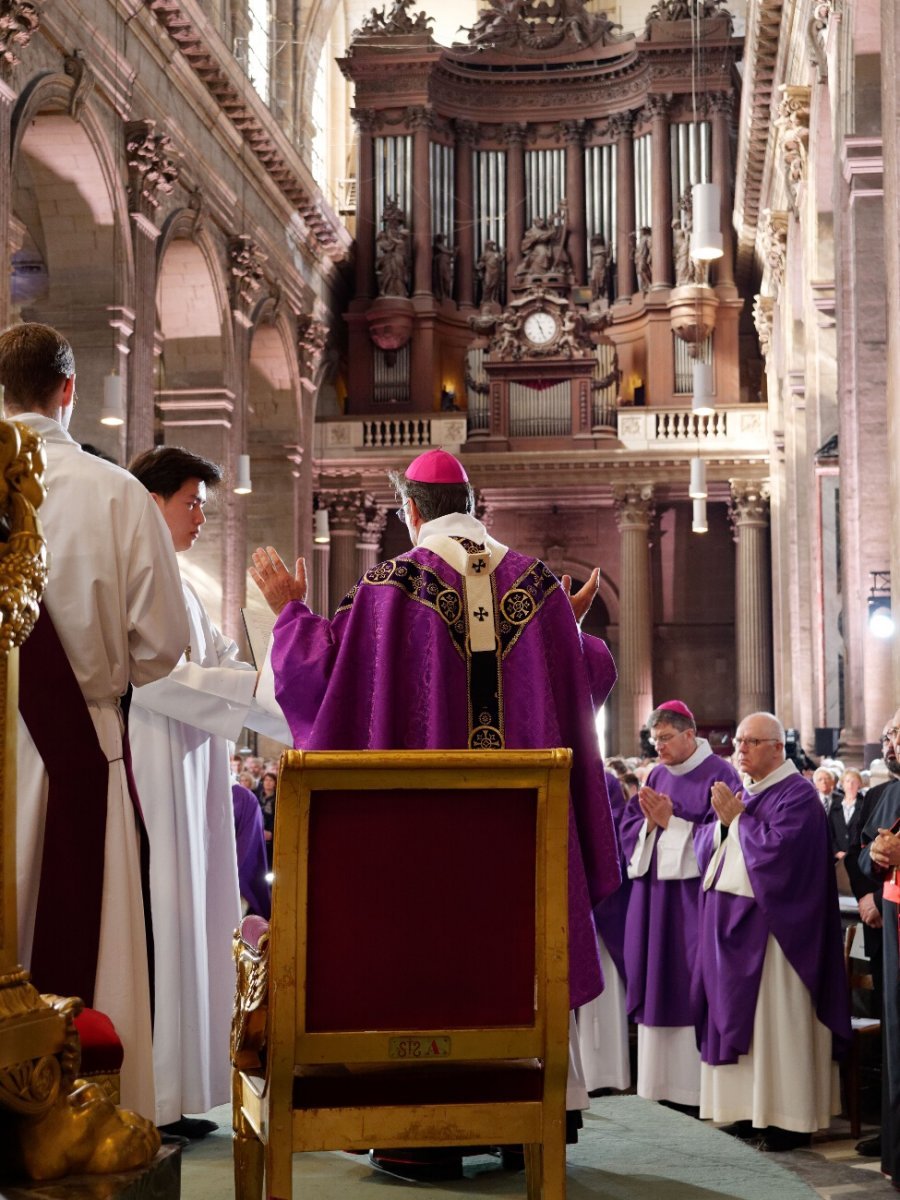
181 728
111 615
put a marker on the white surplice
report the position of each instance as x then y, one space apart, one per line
113 597
668 1059
765 1085
603 1032
181 728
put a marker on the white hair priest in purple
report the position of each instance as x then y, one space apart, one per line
461 642
770 982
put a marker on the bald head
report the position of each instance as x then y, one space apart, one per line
760 745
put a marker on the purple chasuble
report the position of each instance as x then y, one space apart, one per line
390 672
661 927
786 846
610 914
252 861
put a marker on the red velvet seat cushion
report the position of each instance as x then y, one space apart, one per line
101 1050
444 1083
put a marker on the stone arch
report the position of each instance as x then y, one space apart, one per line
72 263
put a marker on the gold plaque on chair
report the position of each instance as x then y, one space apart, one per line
419 1047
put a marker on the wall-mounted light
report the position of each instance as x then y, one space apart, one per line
697 489
706 233
699 523
113 410
881 621
244 485
702 404
321 531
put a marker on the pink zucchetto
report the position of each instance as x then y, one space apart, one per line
676 706
436 466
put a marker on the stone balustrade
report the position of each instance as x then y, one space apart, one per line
739 427
418 431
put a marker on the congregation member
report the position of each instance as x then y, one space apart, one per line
399 666
770 985
880 860
825 784
661 929
111 616
181 730
252 861
845 814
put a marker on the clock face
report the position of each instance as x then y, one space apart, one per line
540 327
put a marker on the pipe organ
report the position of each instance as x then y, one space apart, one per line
587 141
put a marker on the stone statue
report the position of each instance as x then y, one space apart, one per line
544 245
600 266
490 271
681 254
643 258
442 257
392 252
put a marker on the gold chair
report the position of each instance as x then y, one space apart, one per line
412 989
862 1029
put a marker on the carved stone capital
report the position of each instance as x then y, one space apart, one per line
822 14
792 123
620 125
467 132
515 134
311 338
774 243
763 318
245 260
19 20
367 120
344 513
655 106
749 504
419 117
152 170
720 102
76 67
634 506
371 523
571 132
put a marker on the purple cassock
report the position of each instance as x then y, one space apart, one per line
661 928
251 851
611 913
786 847
393 670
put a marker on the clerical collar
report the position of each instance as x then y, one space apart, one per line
453 525
785 771
49 429
701 754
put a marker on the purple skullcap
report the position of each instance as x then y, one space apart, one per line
436 466
676 706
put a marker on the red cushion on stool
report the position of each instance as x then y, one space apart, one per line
101 1050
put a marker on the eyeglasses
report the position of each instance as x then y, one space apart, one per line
400 512
665 738
891 733
752 743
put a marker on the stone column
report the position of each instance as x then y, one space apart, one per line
365 204
419 121
753 598
466 134
514 136
573 131
721 104
343 566
634 515
370 528
661 201
621 126
152 173
890 125
318 590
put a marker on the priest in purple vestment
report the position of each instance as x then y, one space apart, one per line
770 983
459 643
661 930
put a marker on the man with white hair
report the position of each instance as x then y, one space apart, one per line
770 982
